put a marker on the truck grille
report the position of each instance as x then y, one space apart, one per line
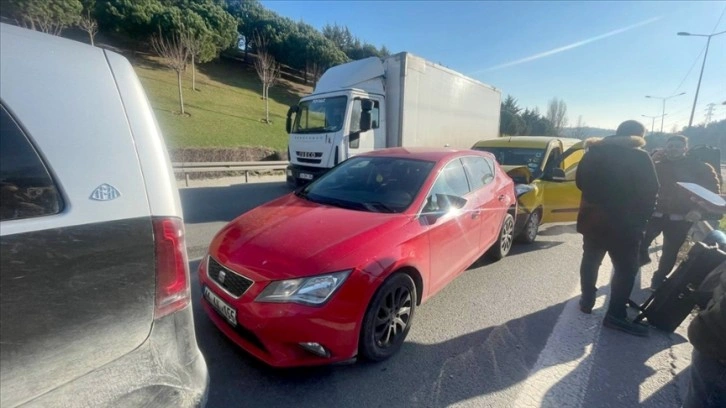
231 281
309 157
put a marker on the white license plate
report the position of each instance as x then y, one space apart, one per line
306 176
221 306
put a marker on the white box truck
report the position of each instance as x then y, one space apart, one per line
373 103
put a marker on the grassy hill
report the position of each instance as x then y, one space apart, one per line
226 111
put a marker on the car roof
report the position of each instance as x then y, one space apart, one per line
423 153
526 141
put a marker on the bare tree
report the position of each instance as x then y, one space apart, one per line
557 114
89 25
267 69
579 131
175 55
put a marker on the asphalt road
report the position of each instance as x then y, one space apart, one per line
502 334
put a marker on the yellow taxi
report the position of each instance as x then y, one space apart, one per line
543 170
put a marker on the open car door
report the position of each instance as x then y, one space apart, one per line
561 196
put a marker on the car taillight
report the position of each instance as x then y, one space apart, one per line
172 268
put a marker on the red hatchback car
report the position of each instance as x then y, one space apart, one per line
336 269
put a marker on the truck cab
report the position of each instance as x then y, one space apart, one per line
543 169
327 128
344 116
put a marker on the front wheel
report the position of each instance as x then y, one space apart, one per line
531 229
501 248
388 318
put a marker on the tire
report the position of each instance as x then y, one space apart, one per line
388 318
531 228
501 248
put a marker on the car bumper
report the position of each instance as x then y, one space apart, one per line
297 176
273 332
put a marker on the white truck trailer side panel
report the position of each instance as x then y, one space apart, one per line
442 107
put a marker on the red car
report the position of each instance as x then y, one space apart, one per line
336 269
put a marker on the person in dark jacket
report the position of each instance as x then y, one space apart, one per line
707 333
619 188
671 216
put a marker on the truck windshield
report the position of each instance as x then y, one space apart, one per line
320 115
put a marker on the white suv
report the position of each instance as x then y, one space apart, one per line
94 282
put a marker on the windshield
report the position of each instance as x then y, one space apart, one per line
375 184
320 115
516 156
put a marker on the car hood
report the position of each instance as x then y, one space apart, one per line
292 237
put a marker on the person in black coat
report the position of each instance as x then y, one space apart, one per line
619 189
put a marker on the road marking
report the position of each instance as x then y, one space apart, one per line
560 376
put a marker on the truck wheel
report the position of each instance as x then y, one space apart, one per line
531 228
501 248
388 318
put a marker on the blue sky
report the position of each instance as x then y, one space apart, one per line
602 58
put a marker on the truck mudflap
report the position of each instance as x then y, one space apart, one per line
298 176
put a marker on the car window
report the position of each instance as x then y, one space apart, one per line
479 172
450 181
26 186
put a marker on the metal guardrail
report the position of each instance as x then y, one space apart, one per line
187 168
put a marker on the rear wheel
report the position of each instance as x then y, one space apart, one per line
501 248
388 318
531 229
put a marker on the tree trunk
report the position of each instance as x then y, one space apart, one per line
194 76
91 36
247 47
181 97
267 105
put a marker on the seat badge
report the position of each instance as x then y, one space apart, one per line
105 192
221 277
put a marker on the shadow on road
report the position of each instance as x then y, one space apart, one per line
558 229
210 204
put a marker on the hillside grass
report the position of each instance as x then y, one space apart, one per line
227 111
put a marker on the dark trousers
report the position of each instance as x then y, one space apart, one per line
674 234
707 388
624 256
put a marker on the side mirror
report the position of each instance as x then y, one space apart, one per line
558 174
366 105
288 122
441 204
366 121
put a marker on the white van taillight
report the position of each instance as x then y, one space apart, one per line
172 268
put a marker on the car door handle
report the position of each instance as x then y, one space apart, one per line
502 197
475 214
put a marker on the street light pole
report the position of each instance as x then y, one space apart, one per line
664 99
652 121
703 65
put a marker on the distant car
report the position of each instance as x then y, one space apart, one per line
95 306
543 169
336 269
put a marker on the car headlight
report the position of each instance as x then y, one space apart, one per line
314 290
521 189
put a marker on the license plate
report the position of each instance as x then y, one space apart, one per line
221 306
306 176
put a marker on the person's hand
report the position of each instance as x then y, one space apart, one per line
693 216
